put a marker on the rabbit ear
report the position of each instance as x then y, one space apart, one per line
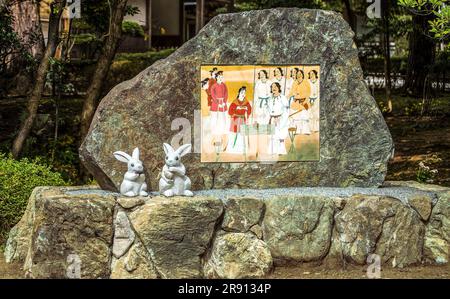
122 156
168 148
184 149
135 154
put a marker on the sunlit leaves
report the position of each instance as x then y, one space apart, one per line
440 25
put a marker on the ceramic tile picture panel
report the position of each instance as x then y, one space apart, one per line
260 113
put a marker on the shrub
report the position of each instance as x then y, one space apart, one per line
17 181
145 58
127 65
425 174
132 28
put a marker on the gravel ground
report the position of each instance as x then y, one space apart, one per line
360 272
90 191
401 193
14 271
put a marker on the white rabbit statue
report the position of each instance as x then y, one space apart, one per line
133 183
173 176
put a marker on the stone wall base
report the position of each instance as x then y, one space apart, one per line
84 232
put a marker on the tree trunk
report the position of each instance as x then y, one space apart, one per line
230 6
57 8
199 15
349 15
118 8
421 56
27 25
148 13
387 54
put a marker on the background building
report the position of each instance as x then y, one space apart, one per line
166 23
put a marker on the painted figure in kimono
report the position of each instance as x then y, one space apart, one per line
239 111
299 104
205 86
290 81
261 98
211 82
278 76
279 114
314 100
218 109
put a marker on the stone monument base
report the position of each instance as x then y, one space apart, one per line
89 233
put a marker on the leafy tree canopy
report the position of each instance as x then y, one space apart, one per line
440 25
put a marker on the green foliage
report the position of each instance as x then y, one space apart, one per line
10 42
56 75
60 154
131 10
425 174
146 58
89 31
132 28
440 25
127 65
243 5
65 160
410 106
95 15
85 38
17 181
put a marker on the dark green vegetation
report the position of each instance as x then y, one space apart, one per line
58 145
17 179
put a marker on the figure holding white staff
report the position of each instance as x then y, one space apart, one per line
278 117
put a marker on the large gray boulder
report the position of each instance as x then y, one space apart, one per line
355 143
437 234
61 232
381 225
238 255
242 213
298 228
177 232
135 264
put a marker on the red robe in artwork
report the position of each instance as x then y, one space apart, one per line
239 112
211 82
219 94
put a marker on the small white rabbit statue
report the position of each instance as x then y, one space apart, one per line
133 183
173 176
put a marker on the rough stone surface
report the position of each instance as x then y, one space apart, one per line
355 143
238 255
241 213
339 202
422 205
64 225
19 239
381 225
123 234
416 185
177 231
184 237
297 228
130 202
335 257
437 233
136 264
257 231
